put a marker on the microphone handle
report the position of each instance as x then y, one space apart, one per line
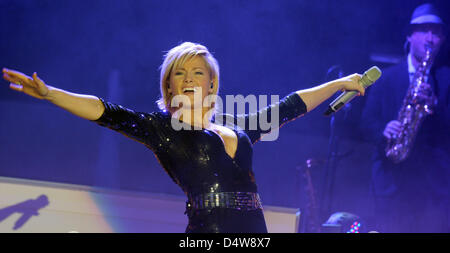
340 101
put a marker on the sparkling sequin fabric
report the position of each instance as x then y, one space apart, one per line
196 159
234 200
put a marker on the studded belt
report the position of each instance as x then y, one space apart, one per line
234 200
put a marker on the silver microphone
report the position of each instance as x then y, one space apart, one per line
368 78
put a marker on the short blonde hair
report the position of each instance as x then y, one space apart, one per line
176 57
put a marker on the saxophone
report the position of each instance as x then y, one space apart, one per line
418 103
310 207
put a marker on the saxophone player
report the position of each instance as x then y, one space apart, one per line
412 195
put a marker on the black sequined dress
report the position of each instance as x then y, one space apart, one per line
196 159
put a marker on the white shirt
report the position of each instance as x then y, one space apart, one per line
412 70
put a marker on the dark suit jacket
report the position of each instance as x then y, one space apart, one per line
427 169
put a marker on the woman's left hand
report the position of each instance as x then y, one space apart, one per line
315 96
350 83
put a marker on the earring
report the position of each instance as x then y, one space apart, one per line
212 85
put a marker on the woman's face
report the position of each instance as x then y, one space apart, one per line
192 80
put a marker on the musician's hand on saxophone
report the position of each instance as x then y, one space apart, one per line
392 129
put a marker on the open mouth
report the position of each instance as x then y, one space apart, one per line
190 89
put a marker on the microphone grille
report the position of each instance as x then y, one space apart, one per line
373 73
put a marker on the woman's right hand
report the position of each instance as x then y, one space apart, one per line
32 86
85 106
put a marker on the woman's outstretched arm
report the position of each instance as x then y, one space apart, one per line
315 96
85 106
